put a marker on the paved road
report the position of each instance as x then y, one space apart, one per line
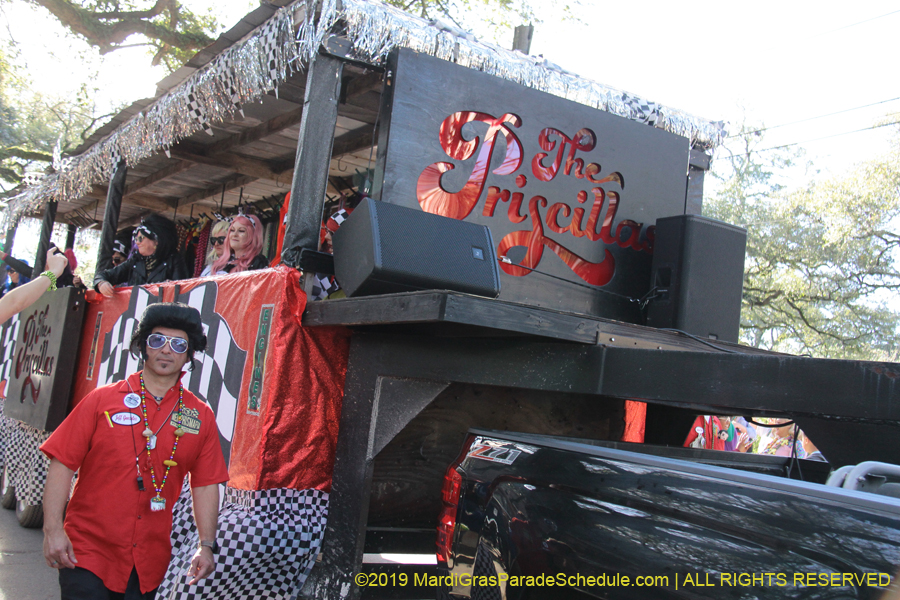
23 573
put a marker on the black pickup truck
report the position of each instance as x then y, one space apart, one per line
528 516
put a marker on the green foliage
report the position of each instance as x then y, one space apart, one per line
173 32
31 124
821 275
170 31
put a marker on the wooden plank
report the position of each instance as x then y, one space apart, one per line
245 166
496 317
313 156
215 190
256 133
352 142
370 82
176 167
115 193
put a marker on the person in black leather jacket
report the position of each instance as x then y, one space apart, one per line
156 260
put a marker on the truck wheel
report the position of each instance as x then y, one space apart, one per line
8 493
30 516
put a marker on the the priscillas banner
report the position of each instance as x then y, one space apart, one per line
276 387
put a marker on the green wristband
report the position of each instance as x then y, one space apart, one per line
52 277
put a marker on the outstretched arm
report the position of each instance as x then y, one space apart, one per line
25 295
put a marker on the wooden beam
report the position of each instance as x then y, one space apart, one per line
215 190
352 141
245 166
143 200
115 193
255 134
135 220
165 173
152 202
314 150
365 84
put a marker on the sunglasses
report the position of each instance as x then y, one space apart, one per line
215 241
156 341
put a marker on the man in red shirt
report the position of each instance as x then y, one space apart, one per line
132 443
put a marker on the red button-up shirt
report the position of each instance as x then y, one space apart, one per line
108 520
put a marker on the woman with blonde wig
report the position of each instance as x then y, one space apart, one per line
217 236
242 247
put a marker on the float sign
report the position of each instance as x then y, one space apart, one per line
42 361
571 193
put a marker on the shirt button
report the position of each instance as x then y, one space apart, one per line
135 545
140 517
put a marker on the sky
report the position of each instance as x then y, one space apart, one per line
764 62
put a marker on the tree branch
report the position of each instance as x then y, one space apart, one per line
107 36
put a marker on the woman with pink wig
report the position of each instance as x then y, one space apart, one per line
242 246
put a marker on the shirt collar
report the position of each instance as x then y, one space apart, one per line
132 383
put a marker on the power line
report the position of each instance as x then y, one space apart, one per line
820 138
855 24
756 131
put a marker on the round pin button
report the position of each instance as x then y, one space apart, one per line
132 400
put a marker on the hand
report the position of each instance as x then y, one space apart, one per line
743 443
106 289
76 280
58 551
202 565
56 261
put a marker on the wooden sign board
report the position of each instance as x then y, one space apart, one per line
570 193
43 360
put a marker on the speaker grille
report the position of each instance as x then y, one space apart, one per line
385 248
431 250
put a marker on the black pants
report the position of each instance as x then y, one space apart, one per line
81 584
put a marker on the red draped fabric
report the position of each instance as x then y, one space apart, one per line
286 430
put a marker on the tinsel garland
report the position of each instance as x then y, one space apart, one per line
241 73
271 52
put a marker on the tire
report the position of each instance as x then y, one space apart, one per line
7 493
31 516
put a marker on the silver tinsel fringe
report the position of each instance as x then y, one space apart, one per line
272 51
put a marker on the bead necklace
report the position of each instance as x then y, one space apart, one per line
158 502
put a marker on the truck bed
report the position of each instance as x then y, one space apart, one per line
535 505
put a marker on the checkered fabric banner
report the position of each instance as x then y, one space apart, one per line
642 110
227 75
268 542
8 346
484 566
323 286
337 219
216 377
196 110
217 373
27 465
5 426
115 156
269 38
119 363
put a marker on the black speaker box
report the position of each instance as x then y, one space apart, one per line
700 262
384 248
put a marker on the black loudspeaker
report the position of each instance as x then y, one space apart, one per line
384 248
700 262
